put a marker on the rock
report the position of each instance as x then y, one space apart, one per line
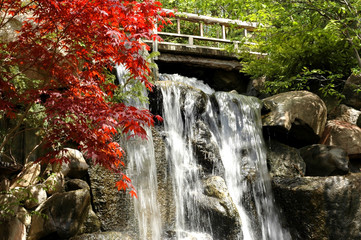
352 97
321 207
295 118
103 236
54 183
91 224
24 216
206 149
187 91
13 229
218 205
283 160
173 235
358 122
28 176
345 114
165 195
344 135
76 168
9 206
75 184
65 214
322 160
36 196
113 207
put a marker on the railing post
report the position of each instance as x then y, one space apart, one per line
201 28
245 32
178 26
190 40
223 32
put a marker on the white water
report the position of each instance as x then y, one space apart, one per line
236 125
142 171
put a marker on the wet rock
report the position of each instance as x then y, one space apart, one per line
186 93
65 214
345 114
352 97
113 207
321 207
344 135
104 236
295 118
206 149
165 193
76 168
322 160
218 205
283 160
75 184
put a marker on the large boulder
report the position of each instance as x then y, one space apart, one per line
352 96
344 135
54 183
297 118
37 195
218 205
283 160
322 160
76 167
28 176
321 207
345 114
61 215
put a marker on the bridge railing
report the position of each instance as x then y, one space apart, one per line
203 22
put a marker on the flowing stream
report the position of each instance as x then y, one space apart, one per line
232 124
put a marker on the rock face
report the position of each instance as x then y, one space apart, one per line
113 207
353 98
218 205
321 208
28 176
103 236
206 149
283 160
322 160
344 135
294 117
65 214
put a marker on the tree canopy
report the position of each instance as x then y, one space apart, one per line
300 40
55 57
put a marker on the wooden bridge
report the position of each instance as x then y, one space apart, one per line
194 46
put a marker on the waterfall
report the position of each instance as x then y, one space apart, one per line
142 170
235 125
230 178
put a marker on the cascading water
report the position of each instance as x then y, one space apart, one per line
234 123
142 171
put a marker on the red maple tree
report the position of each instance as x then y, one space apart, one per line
57 61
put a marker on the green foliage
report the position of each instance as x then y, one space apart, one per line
323 37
